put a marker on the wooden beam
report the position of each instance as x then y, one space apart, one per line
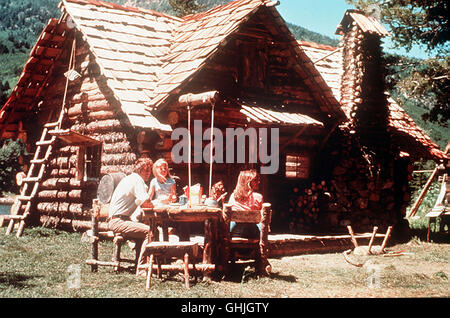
198 99
422 194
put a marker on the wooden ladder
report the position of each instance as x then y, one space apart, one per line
23 202
21 208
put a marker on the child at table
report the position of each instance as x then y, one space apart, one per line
244 198
163 186
218 195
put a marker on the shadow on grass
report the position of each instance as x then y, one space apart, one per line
242 272
435 237
16 280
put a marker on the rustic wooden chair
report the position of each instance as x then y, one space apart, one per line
158 251
95 235
237 248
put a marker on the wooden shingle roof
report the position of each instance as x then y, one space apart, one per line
147 56
36 73
129 45
268 116
328 61
410 137
367 24
201 35
197 38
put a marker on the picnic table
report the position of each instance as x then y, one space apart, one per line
211 218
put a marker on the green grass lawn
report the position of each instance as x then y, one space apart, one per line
41 264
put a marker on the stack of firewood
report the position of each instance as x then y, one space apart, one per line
353 191
305 205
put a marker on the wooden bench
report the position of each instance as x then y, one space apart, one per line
157 251
237 248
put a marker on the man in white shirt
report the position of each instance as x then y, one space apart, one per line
129 195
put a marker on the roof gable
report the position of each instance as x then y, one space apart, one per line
35 74
196 39
202 35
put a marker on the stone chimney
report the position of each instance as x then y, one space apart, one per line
362 84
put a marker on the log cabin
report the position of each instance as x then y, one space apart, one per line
105 84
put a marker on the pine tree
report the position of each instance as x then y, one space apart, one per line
185 7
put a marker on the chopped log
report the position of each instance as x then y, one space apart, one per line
75 194
198 99
119 159
55 173
117 147
92 106
59 207
107 185
95 115
78 225
108 125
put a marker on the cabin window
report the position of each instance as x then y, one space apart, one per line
93 161
297 166
89 162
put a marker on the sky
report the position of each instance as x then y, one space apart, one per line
323 16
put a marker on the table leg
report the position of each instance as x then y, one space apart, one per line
152 232
211 251
165 230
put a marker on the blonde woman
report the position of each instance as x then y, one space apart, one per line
163 186
244 198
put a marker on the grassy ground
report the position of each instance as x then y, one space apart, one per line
43 262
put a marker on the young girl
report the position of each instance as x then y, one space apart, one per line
244 198
218 195
162 186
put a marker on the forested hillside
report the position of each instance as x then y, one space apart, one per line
21 21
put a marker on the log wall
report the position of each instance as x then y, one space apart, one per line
363 92
92 111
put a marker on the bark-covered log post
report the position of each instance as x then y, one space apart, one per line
186 270
265 266
118 240
94 248
226 215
